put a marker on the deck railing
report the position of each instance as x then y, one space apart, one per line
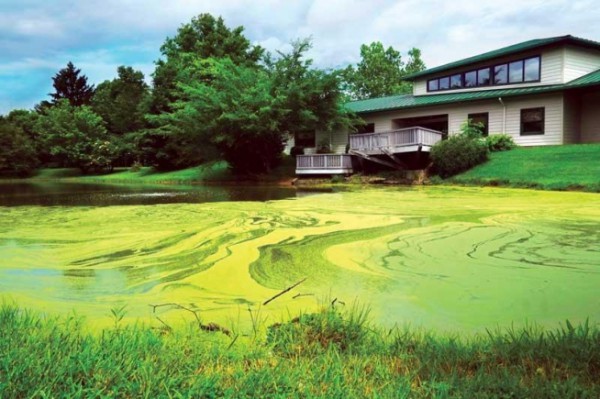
324 161
396 138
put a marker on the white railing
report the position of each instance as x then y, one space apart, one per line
324 161
395 138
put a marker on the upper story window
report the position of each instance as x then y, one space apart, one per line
525 70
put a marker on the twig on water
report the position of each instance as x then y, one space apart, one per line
291 287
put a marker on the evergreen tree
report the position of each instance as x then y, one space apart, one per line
70 86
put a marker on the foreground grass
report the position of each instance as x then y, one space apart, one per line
565 167
325 355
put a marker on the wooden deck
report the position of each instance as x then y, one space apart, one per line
410 139
368 146
324 164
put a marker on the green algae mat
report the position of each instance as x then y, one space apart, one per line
447 259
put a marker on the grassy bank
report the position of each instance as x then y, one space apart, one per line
565 167
325 355
211 172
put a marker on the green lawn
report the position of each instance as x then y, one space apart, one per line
565 167
211 172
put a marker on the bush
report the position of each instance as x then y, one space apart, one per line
500 142
457 154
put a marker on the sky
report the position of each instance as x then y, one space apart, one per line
39 37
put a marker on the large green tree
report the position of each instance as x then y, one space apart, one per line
380 71
205 37
76 137
247 112
69 85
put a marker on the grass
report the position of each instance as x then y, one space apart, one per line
565 167
211 172
329 354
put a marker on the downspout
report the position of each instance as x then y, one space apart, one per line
503 115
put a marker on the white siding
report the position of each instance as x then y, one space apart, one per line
590 118
552 72
553 123
458 113
571 123
579 62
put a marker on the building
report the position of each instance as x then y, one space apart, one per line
541 92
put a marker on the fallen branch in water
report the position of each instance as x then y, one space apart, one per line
291 287
214 327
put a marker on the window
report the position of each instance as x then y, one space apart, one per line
444 83
532 121
515 72
432 85
304 139
471 79
532 69
483 77
366 128
501 74
481 118
456 81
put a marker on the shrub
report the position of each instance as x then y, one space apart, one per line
457 154
500 142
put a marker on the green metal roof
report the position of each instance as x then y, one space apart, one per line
410 101
515 48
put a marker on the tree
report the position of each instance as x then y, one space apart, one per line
76 137
380 72
247 112
120 102
70 86
17 151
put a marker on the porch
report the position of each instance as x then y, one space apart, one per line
324 164
368 146
412 139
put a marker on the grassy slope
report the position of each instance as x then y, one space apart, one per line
564 167
212 172
324 355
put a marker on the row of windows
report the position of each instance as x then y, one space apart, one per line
526 70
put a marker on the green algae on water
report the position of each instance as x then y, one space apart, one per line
447 258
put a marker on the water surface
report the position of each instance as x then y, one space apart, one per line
451 259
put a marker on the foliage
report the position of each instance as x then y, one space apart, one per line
562 167
326 355
380 72
472 129
70 86
27 121
120 102
17 151
76 136
458 153
500 142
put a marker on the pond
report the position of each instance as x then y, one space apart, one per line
444 258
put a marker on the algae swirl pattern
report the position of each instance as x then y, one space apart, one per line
448 258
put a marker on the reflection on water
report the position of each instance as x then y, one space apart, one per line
86 194
445 258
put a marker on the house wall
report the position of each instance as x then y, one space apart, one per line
554 105
579 62
590 118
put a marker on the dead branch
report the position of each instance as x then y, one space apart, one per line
291 287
